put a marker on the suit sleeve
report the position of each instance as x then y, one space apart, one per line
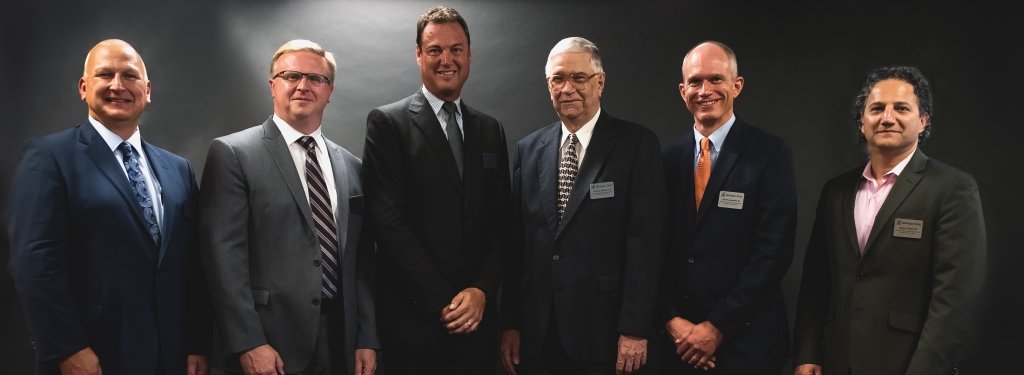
384 177
366 288
41 254
497 223
197 320
511 289
224 245
771 246
958 272
645 239
815 289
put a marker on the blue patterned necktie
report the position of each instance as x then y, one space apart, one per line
138 184
323 218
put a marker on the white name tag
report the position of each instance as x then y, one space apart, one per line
908 228
730 199
600 190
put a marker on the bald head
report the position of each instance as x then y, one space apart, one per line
713 49
117 47
115 86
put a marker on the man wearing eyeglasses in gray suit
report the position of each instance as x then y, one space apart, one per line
282 236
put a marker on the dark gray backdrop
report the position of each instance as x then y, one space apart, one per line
803 63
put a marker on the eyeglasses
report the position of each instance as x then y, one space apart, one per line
578 80
292 76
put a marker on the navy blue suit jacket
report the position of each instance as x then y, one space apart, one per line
87 272
725 265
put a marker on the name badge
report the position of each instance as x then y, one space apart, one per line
908 228
730 199
601 190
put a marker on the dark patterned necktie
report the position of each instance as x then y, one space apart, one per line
451 128
138 184
567 170
323 219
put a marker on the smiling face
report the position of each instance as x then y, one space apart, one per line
710 86
114 85
444 58
575 105
892 119
301 104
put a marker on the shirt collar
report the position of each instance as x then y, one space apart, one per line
718 136
291 135
114 140
584 133
895 171
436 103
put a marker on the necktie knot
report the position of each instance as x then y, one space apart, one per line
705 145
307 142
126 149
573 140
449 108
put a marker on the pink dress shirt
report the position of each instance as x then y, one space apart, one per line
870 197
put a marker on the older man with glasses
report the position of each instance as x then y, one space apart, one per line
282 236
589 194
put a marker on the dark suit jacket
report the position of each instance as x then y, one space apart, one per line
597 269
906 306
87 271
725 265
261 252
437 234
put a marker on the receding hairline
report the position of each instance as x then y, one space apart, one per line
730 55
300 45
575 44
124 47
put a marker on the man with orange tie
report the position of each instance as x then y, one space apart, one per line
732 209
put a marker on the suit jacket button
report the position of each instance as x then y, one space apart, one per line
689 260
316 262
315 301
555 257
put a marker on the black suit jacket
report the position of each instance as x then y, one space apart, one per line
85 267
597 269
905 306
725 264
437 233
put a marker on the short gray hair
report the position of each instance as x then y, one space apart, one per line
576 44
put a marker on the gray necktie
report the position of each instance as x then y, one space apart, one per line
451 128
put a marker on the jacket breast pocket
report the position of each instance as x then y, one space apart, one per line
261 297
904 321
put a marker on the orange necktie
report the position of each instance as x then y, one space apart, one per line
700 177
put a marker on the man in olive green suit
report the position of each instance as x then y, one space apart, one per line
896 255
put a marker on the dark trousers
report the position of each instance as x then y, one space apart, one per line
329 352
555 361
435 352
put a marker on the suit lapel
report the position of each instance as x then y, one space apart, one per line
685 182
97 150
425 120
905 183
161 171
341 181
848 202
286 166
731 150
601 145
547 172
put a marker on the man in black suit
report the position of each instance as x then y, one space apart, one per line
732 208
103 237
896 257
582 287
438 195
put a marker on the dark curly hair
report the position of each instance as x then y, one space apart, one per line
908 74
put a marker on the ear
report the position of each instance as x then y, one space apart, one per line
419 55
600 83
149 91
682 91
737 86
81 88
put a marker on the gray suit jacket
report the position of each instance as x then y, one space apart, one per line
261 253
905 306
